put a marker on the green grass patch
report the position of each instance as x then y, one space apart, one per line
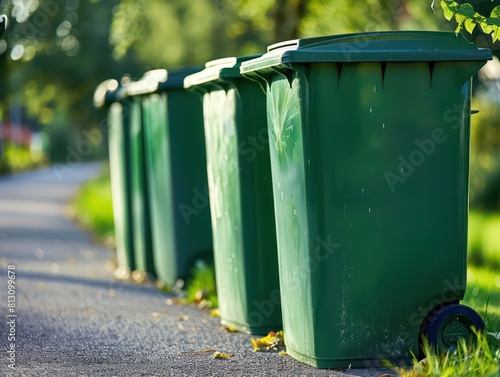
201 289
469 359
93 206
483 294
484 239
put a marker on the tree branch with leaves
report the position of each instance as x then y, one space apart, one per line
466 17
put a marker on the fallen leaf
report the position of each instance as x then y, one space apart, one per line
255 345
220 355
215 313
283 353
198 352
175 300
230 329
270 341
200 295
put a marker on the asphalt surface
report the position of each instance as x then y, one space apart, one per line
73 319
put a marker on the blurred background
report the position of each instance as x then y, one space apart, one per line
55 52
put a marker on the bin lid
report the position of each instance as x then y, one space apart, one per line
160 80
104 92
371 47
216 70
175 79
148 83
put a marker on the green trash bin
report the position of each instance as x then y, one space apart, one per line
239 173
369 140
141 222
109 95
176 173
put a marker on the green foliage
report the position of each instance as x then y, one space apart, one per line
466 17
18 158
469 360
179 32
485 152
176 32
127 26
54 54
201 289
93 206
354 16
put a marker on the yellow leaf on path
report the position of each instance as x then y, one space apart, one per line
283 353
230 329
255 345
270 341
220 355
215 313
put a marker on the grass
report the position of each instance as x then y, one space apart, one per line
93 207
484 239
483 280
479 359
201 288
483 294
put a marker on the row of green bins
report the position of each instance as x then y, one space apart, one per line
108 95
239 177
175 178
369 140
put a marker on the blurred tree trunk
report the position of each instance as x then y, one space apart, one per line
287 17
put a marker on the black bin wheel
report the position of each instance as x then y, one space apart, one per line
450 323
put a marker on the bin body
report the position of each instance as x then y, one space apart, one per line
177 178
239 177
370 154
119 161
143 248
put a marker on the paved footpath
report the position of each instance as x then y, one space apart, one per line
74 319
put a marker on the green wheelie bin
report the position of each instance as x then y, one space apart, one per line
241 197
176 173
141 222
369 140
109 95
